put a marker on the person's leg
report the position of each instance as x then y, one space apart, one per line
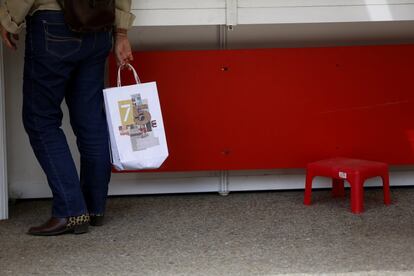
86 107
48 67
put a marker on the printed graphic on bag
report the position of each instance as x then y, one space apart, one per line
137 123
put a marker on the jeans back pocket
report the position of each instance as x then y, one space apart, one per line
60 40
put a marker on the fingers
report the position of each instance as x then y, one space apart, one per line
6 36
8 42
125 60
120 57
123 51
125 57
122 61
128 59
11 41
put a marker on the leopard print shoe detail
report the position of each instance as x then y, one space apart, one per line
79 224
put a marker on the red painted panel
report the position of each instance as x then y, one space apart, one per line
281 108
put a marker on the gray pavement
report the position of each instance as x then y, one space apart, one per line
264 233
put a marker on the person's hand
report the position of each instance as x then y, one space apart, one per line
7 38
123 50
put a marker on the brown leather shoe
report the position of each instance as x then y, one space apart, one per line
58 226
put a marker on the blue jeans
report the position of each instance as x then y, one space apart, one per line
61 64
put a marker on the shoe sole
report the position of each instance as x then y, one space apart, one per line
77 230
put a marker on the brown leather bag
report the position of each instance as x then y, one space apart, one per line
87 16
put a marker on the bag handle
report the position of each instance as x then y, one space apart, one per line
137 80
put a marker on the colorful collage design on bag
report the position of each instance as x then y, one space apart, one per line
137 123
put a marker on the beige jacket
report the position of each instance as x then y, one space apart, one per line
13 12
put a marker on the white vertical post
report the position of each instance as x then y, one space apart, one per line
231 20
222 37
4 196
224 183
231 13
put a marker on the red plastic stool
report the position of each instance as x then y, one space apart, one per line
355 172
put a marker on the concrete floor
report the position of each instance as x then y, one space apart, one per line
266 233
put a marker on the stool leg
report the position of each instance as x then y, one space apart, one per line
357 195
308 189
386 188
338 189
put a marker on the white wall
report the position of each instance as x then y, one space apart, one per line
239 12
26 179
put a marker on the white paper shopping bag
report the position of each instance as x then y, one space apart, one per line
135 125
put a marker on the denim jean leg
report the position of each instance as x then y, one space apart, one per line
45 79
86 107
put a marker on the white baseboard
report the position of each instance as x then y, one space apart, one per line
200 184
